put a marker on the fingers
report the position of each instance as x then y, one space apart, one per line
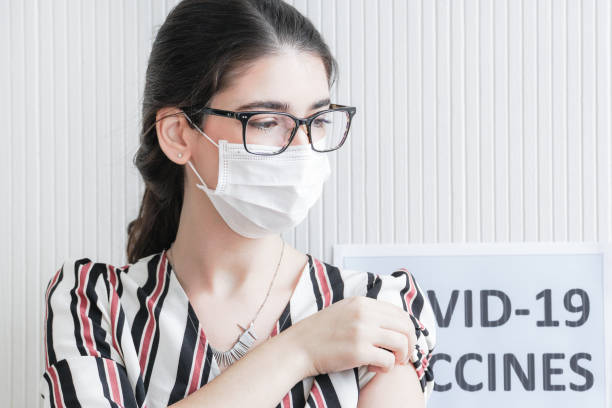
384 359
394 337
394 343
392 317
399 321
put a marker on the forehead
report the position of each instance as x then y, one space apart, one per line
298 78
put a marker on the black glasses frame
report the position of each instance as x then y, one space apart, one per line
244 116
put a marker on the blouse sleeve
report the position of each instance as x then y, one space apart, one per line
401 289
83 360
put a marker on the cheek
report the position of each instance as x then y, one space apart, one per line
218 128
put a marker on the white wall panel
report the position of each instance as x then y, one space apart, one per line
478 120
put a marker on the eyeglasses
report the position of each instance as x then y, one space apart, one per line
268 133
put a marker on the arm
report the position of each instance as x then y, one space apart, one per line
259 379
397 388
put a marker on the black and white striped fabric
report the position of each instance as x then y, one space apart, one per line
121 336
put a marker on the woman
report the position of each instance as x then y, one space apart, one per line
209 274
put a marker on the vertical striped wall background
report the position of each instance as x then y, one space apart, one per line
478 121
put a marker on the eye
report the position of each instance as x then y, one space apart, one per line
321 122
262 124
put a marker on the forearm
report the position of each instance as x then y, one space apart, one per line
259 379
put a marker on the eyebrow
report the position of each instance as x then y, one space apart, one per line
279 106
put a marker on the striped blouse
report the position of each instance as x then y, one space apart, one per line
125 336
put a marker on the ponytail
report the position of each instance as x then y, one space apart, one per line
155 227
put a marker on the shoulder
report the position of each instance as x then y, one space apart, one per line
83 294
82 274
74 275
342 282
399 287
80 288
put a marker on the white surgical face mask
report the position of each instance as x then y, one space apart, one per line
260 195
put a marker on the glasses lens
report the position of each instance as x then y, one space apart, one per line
328 129
268 133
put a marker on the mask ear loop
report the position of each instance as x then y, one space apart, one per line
203 185
199 130
200 186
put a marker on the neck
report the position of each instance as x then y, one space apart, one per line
210 257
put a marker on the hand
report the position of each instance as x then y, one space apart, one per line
353 332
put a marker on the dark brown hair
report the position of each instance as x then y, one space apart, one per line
197 51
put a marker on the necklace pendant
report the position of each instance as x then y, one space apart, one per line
240 348
248 337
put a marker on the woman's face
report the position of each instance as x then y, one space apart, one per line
293 78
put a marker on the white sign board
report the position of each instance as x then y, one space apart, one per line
524 325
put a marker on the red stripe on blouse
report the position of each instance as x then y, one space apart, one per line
197 366
286 401
53 282
317 394
423 366
146 343
56 390
410 295
323 283
113 377
84 303
114 304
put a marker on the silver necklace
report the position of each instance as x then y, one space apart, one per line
247 338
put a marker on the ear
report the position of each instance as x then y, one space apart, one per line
173 134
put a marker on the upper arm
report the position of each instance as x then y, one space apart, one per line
401 289
400 387
83 363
